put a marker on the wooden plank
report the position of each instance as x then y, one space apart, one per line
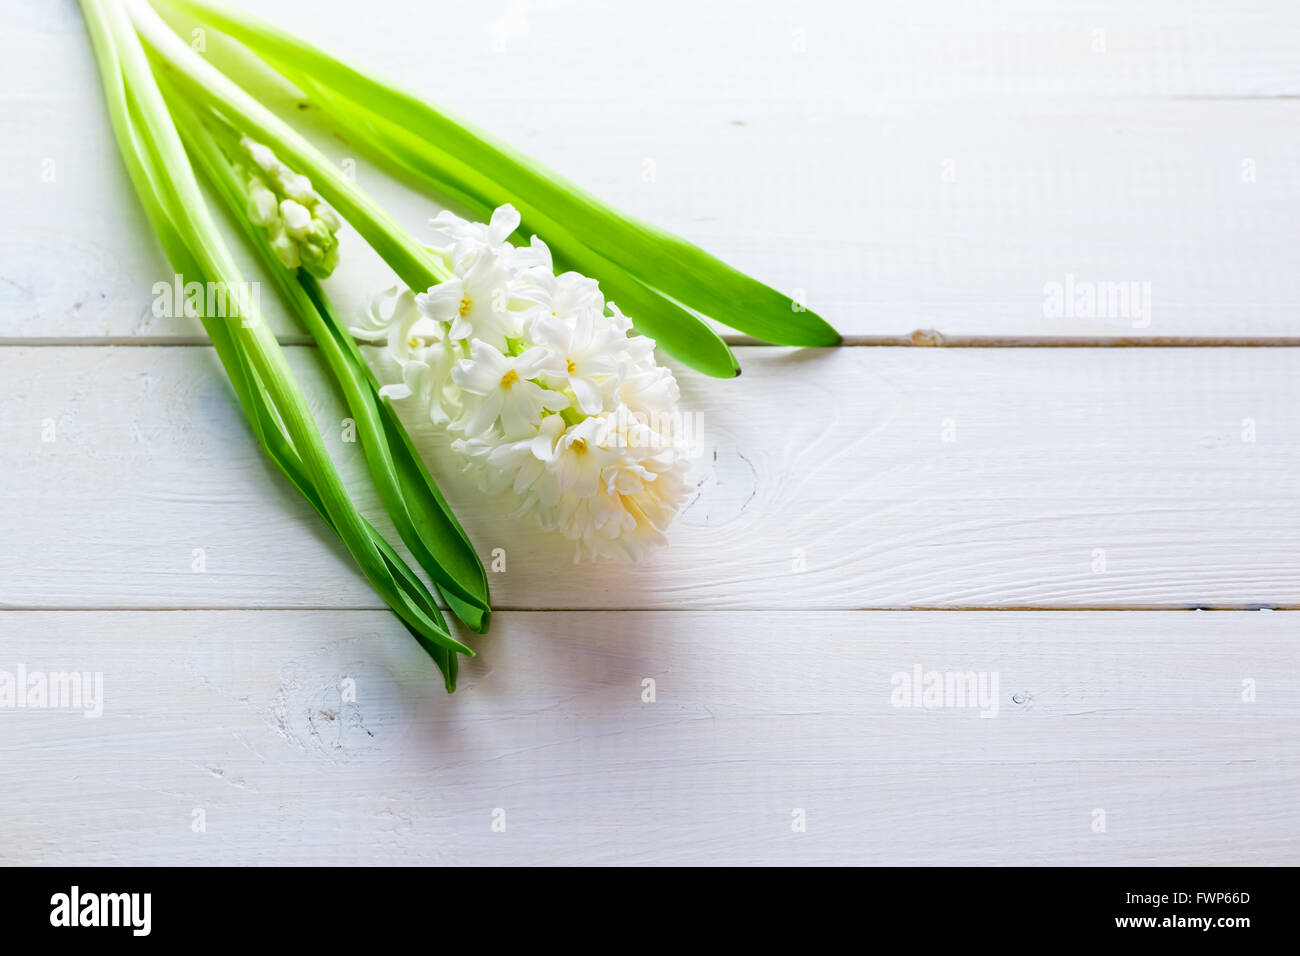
833 479
928 48
242 715
900 180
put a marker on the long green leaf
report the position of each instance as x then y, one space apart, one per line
661 259
158 168
677 331
420 514
431 519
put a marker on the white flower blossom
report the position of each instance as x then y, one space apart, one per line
504 392
460 239
543 386
475 303
461 242
584 355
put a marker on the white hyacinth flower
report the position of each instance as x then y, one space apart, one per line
474 304
542 386
504 392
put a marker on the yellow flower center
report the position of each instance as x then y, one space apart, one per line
509 378
579 446
465 305
413 343
571 365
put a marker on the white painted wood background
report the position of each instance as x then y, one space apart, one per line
919 171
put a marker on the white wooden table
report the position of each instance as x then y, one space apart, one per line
1111 532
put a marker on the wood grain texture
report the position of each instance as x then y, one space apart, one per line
241 715
1074 478
916 172
898 180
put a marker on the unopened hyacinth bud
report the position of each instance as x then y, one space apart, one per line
318 260
261 155
542 386
300 226
318 233
263 207
296 216
283 245
325 213
295 186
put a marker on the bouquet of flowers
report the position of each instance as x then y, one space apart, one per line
517 348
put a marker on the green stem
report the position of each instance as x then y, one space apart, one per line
161 173
663 261
418 520
208 85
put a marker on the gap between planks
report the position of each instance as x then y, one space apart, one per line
519 609
921 338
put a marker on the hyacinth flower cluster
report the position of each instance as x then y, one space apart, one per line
550 391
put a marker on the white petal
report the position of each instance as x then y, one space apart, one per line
460 329
588 395
543 446
518 414
477 378
485 415
533 361
395 392
505 220
555 401
442 301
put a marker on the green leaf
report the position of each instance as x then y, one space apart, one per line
418 510
473 164
432 531
160 172
675 329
